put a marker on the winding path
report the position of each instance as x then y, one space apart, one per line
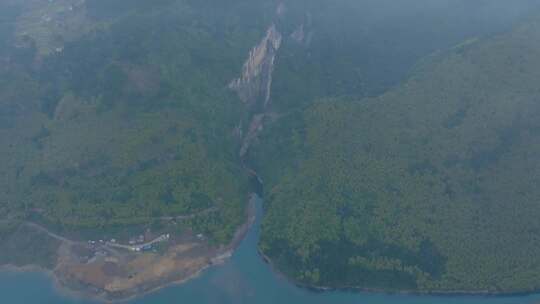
68 241
189 216
48 232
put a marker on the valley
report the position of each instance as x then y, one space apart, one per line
394 145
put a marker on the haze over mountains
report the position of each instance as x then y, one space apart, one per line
396 140
430 186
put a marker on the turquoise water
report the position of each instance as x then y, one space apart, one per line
244 279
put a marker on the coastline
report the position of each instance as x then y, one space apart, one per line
87 292
227 251
49 273
445 294
22 269
82 294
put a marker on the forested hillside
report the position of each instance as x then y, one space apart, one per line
431 186
116 113
362 48
397 141
129 118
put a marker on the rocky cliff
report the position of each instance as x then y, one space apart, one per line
253 86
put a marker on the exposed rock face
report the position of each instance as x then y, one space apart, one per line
253 86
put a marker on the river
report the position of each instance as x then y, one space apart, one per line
245 278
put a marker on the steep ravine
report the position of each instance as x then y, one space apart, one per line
88 278
113 275
254 84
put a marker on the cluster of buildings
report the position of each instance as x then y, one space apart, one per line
150 245
136 244
136 240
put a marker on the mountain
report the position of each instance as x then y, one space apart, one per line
117 135
128 120
428 187
395 141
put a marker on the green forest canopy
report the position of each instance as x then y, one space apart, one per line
430 187
131 121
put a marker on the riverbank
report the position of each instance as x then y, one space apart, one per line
358 290
244 278
122 276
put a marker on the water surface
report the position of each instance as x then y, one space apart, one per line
244 279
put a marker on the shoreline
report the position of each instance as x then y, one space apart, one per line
225 254
93 294
81 294
390 292
55 282
24 269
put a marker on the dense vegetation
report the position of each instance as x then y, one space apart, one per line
131 121
21 243
115 114
362 48
431 186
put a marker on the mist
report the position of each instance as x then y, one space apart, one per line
393 143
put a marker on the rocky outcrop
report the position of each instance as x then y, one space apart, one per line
253 86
